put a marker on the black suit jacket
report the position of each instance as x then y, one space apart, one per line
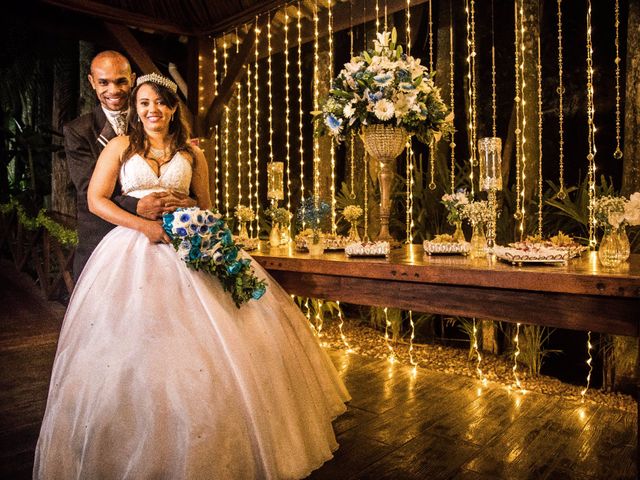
84 139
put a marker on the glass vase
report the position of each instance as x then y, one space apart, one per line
614 247
478 242
274 235
243 230
285 238
458 235
315 249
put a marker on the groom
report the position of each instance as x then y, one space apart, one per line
84 139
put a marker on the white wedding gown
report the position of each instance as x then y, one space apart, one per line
158 375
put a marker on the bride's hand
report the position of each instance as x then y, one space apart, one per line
154 232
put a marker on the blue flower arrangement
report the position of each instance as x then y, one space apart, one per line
204 242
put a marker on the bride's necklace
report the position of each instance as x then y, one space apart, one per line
157 154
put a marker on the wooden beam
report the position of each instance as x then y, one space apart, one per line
132 47
234 71
120 15
247 15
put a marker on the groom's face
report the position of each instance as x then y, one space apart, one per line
112 80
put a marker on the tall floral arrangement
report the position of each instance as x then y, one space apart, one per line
455 203
384 86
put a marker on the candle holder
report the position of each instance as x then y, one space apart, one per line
490 153
275 182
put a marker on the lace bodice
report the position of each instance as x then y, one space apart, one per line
138 178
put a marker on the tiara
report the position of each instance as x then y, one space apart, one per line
157 79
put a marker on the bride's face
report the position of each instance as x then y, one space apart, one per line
154 113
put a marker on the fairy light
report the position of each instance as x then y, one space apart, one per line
470 93
523 158
591 110
474 91
269 83
249 142
412 360
340 325
385 16
225 55
387 324
256 118
477 352
287 111
239 128
377 17
561 192
518 106
408 27
516 340
432 145
410 183
494 115
319 319
332 148
452 144
617 154
352 144
539 141
300 135
216 154
589 360
316 107
308 315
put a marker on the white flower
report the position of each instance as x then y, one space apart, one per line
348 110
384 109
383 79
353 66
403 102
632 209
382 41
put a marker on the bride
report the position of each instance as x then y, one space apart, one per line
158 375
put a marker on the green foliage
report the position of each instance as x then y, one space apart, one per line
317 310
531 342
64 235
378 320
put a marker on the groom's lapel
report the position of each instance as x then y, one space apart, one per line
104 129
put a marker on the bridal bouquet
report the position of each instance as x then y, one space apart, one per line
384 86
204 242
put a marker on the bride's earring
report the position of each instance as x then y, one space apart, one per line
171 117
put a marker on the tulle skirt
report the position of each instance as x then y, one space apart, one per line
158 375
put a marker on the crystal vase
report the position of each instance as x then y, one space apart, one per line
614 247
285 238
274 236
243 230
384 143
478 242
354 236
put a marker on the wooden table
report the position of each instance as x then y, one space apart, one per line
581 295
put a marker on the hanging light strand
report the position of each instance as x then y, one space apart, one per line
352 143
287 103
432 145
476 350
410 183
332 152
216 155
300 111
452 144
540 200
387 323
523 156
316 106
474 89
494 106
256 119
249 142
340 325
617 154
518 107
470 96
583 392
408 28
516 354
591 110
226 138
239 129
561 192
412 360
269 84
366 196
377 17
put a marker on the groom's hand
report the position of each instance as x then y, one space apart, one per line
152 206
178 200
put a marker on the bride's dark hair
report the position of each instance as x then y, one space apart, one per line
178 129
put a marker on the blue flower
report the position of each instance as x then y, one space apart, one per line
194 253
185 217
210 220
234 268
181 232
203 229
226 238
258 293
196 241
333 123
199 218
193 227
382 79
231 255
218 258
